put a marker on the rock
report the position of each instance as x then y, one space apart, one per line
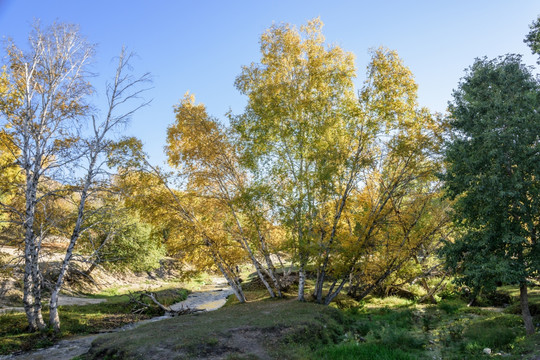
487 351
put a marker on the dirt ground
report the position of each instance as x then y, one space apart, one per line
75 284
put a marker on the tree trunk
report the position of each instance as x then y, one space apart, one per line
272 273
54 319
234 284
32 289
319 285
258 268
28 295
32 276
91 268
301 283
424 283
332 295
37 280
525 312
244 244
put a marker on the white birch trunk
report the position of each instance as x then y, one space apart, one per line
301 283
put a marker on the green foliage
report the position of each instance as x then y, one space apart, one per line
122 241
493 173
135 247
450 306
533 37
370 351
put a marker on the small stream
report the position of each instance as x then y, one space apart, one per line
208 298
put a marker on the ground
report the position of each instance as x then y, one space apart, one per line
390 328
263 328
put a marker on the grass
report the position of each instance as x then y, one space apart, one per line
376 328
370 351
282 328
78 320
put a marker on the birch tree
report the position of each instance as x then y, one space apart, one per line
296 126
193 225
50 79
47 131
124 90
320 148
199 147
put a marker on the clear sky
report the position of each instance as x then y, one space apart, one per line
200 46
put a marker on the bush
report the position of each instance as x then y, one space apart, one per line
515 309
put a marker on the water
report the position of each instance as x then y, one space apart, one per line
211 298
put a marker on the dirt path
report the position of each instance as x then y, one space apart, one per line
209 298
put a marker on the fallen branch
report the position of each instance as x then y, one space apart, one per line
138 300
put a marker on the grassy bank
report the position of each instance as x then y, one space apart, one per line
390 328
377 328
115 312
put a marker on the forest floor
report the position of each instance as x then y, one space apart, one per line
209 297
376 328
390 328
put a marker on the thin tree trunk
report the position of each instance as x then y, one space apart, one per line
271 270
233 283
28 292
425 285
331 295
301 282
245 245
258 268
37 280
54 319
370 288
525 312
90 269
432 292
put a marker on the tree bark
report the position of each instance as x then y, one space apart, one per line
331 295
301 282
234 284
525 312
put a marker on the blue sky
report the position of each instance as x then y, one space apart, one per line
200 46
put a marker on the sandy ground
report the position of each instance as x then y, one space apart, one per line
62 300
209 298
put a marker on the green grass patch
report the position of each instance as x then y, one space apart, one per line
284 328
498 332
370 351
376 328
